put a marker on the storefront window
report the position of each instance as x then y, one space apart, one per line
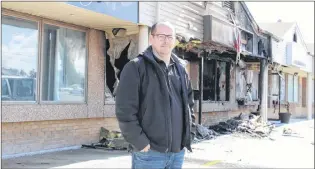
19 59
64 64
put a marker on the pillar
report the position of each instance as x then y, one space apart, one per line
264 90
143 41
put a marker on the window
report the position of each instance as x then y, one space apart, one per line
216 80
64 64
19 59
282 90
296 89
246 41
290 88
293 87
294 38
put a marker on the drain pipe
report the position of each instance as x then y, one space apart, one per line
157 12
201 86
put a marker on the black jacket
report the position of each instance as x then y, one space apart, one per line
143 104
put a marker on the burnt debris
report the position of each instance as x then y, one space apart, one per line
243 124
109 140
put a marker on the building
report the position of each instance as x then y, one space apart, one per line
230 84
61 62
291 71
53 71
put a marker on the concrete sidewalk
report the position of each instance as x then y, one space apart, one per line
228 151
80 158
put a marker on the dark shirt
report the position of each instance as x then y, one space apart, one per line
174 87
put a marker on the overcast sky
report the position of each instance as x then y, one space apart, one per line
300 12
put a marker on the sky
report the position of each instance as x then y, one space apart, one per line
300 12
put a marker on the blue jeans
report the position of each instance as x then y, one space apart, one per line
154 159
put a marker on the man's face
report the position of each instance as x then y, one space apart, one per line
163 40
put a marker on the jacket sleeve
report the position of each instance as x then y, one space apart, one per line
127 106
191 109
191 100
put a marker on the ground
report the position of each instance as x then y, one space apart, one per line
229 151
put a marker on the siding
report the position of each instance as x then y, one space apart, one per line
147 13
181 14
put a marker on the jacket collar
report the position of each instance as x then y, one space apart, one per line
148 54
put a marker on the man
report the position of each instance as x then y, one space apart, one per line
154 103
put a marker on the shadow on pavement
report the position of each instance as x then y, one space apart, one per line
80 158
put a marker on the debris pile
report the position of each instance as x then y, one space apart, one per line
203 133
244 124
109 140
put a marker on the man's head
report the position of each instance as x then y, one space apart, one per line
162 38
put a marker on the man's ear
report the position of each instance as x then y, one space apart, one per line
150 39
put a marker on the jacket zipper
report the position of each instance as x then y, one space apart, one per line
168 119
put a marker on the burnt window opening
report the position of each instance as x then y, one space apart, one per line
294 38
122 60
229 5
216 80
261 49
111 74
247 41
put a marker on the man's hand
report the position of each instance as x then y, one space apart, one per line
146 149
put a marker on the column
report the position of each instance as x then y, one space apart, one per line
264 90
143 41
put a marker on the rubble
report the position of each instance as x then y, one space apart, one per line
109 140
242 124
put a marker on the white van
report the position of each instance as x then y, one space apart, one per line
17 88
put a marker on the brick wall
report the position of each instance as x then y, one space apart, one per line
27 137
213 118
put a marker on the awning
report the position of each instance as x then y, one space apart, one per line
62 11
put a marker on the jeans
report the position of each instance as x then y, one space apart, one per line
154 159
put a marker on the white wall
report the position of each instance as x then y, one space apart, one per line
278 51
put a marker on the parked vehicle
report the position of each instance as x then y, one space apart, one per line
18 88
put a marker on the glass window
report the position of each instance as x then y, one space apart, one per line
296 89
64 64
19 59
290 88
282 90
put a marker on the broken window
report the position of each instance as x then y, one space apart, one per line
216 82
247 82
119 51
247 41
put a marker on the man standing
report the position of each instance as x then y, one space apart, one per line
154 103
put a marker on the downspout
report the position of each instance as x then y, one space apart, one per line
157 11
201 86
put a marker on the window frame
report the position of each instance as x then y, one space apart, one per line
41 22
294 87
228 82
37 20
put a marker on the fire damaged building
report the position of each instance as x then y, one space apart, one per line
225 66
